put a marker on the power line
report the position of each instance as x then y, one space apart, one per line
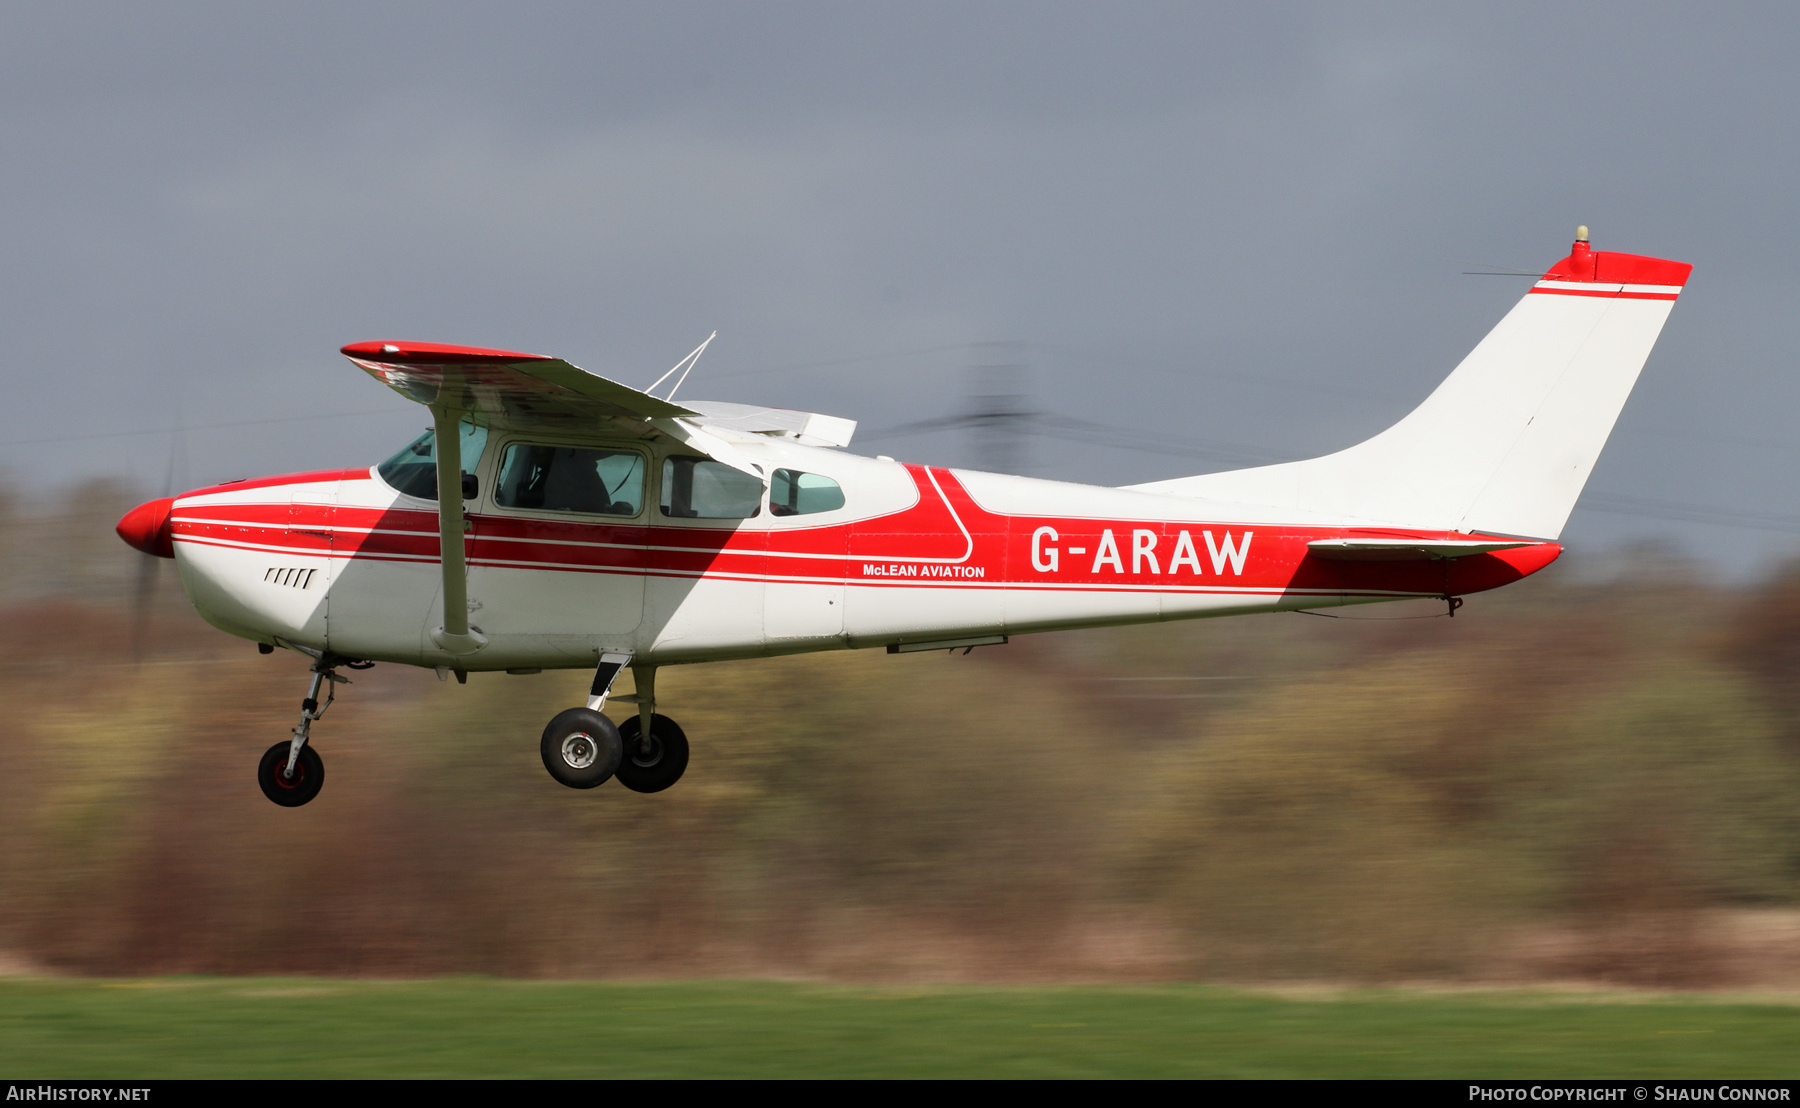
954 347
1184 370
1681 512
1088 431
1188 371
192 427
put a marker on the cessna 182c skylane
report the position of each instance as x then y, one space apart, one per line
555 519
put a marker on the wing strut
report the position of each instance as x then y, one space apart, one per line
455 635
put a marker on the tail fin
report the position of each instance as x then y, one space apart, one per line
1506 443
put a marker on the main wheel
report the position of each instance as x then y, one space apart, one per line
581 748
655 769
290 792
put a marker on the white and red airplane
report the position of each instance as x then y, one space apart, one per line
553 519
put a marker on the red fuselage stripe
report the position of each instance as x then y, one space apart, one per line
944 540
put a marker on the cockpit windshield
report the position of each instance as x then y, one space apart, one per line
413 470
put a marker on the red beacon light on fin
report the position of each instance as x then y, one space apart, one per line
1583 263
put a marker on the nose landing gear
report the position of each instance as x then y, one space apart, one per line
291 773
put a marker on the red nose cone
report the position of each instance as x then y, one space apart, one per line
148 527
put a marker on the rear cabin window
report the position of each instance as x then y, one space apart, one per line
571 479
793 493
700 488
413 471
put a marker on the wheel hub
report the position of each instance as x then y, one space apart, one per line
579 750
648 752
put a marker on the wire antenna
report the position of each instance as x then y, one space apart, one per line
688 362
1492 269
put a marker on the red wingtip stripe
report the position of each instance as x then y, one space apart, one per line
404 353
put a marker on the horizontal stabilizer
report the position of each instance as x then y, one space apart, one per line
1407 550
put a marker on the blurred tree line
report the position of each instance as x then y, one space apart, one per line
1594 775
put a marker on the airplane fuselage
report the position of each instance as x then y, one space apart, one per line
342 561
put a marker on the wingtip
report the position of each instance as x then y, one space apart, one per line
402 353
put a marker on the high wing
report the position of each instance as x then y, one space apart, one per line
509 390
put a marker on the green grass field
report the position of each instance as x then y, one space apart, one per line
288 1027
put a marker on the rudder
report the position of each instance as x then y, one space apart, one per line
1506 442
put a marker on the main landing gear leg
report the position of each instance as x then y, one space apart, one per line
581 748
644 678
648 753
291 773
656 750
604 675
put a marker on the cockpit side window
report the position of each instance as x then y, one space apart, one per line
571 479
413 470
700 488
793 493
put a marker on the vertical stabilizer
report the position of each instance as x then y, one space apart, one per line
1506 443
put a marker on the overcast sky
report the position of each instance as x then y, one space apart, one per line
1216 234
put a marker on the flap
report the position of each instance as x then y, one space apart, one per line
809 428
704 442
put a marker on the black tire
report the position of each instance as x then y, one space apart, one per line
662 765
290 792
581 748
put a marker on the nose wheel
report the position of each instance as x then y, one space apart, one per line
290 789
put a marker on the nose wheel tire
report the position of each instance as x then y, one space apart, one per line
581 748
290 792
661 764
